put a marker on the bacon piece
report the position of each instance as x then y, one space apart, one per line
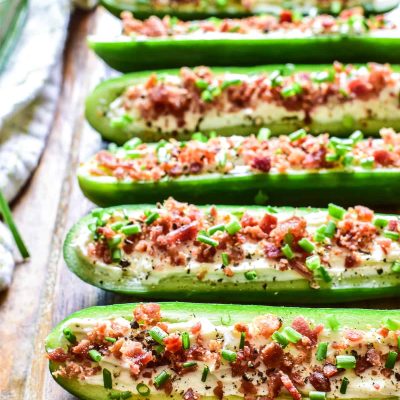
244 359
219 390
274 385
272 355
196 328
382 157
82 348
301 268
262 164
353 335
268 223
272 251
58 355
352 260
296 226
148 313
364 213
329 370
190 394
289 386
173 343
183 234
247 388
303 327
285 16
320 382
267 324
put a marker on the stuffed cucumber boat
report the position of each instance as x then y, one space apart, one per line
238 254
298 169
191 9
193 351
337 99
265 39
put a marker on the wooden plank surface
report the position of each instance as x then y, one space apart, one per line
43 290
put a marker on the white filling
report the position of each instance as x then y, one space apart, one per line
367 385
148 270
383 107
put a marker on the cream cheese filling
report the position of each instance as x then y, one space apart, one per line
150 270
384 107
371 384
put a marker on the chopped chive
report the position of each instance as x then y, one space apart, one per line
292 335
242 340
313 262
229 355
280 338
201 84
306 245
391 235
207 240
185 340
250 275
133 154
229 83
233 227
344 384
200 137
204 374
287 252
116 226
114 241
335 211
330 229
333 322
159 349
263 134
95 355
299 134
132 144
69 335
107 378
216 228
346 362
116 255
291 90
161 379
367 162
332 157
143 389
324 274
110 339
189 364
317 395
151 218
129 230
392 324
380 222
356 136
121 122
322 350
348 160
391 359
158 334
225 259
8 219
396 266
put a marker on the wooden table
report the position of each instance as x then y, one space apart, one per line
44 291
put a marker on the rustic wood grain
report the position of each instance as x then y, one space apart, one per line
44 291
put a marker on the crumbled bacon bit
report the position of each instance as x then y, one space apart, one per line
148 313
219 390
302 326
173 343
267 324
190 394
58 355
272 355
296 226
319 381
268 223
289 386
329 370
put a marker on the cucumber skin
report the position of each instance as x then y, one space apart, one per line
129 56
188 288
347 188
99 100
356 318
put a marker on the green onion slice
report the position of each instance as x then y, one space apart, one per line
161 379
322 350
344 384
143 389
347 362
229 355
185 340
157 334
107 378
95 355
8 219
